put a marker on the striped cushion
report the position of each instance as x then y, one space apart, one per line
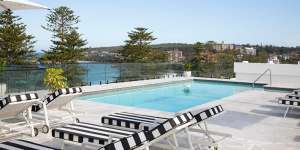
127 143
292 96
54 95
17 98
209 113
131 120
288 102
23 145
91 133
168 125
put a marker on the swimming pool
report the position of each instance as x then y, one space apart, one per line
170 97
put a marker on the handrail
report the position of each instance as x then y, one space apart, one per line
261 75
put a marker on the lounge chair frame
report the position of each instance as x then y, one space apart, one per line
20 111
60 104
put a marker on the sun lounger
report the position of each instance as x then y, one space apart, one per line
136 121
59 105
164 131
145 139
140 122
293 96
23 145
296 92
15 114
91 135
290 103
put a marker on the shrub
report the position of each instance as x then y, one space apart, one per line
187 67
54 79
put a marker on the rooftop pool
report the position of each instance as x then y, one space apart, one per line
172 97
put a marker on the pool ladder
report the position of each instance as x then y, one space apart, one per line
261 75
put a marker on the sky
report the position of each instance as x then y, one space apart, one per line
107 22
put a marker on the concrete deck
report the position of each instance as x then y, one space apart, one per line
252 117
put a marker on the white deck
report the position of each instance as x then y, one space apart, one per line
252 117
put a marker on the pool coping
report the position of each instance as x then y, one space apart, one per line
177 80
114 89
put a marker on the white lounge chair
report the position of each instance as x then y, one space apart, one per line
59 107
144 139
15 115
139 122
166 130
296 92
289 103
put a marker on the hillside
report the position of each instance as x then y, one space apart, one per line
186 48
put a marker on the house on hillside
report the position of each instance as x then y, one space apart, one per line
248 51
175 56
223 47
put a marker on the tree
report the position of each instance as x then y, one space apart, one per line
199 47
138 48
210 46
225 64
73 50
16 46
67 44
204 63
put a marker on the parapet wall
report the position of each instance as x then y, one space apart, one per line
285 75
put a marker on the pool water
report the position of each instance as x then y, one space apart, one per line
171 97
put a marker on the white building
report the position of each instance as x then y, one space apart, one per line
175 56
273 60
248 51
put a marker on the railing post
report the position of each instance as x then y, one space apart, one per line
261 75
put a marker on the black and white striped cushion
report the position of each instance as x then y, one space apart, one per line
288 102
208 113
127 143
54 95
139 138
293 96
89 133
131 120
17 98
168 125
23 145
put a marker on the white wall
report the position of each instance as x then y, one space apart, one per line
287 75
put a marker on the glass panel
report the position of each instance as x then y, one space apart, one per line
25 78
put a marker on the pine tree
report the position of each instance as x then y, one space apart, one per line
138 48
67 44
16 46
199 47
73 49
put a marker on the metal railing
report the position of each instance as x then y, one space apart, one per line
261 75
